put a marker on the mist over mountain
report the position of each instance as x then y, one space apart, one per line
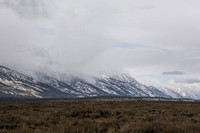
15 84
156 42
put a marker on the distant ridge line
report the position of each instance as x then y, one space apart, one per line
99 99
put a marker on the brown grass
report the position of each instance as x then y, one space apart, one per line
91 117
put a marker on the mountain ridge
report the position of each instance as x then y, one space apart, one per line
13 83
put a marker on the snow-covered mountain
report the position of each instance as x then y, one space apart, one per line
13 83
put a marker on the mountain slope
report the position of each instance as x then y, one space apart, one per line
17 84
127 86
13 83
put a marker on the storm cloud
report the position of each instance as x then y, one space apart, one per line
28 8
189 81
173 73
144 37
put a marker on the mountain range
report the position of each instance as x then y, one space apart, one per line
16 84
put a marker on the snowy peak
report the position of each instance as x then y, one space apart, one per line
127 86
40 85
121 77
17 84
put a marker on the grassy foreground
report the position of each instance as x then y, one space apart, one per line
91 117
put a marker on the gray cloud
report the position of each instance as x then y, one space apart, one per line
189 81
173 73
27 8
81 36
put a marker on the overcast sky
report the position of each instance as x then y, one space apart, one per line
154 40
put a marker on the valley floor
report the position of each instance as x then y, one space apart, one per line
90 117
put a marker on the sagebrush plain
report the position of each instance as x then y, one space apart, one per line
91 117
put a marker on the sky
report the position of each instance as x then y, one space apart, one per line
156 41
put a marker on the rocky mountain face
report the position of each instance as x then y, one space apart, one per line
15 84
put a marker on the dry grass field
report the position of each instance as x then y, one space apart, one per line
91 117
